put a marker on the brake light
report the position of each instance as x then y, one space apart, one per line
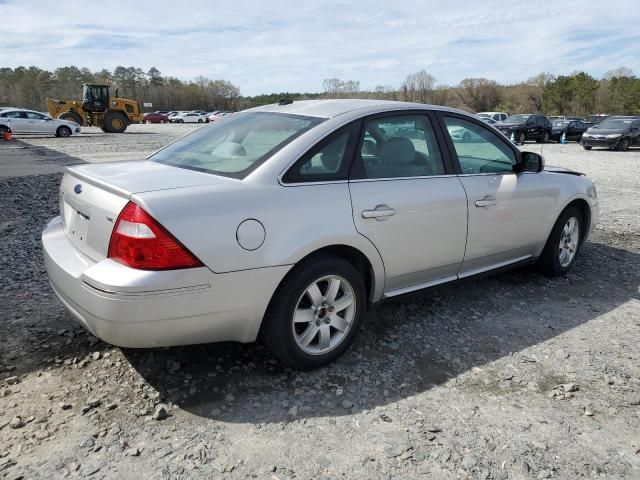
139 241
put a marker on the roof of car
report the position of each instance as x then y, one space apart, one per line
333 108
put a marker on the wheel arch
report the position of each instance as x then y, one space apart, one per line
370 265
585 209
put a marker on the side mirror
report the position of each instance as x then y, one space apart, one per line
531 162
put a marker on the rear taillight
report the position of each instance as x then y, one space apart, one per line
138 241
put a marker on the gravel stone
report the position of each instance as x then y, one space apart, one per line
485 376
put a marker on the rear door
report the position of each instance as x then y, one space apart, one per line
17 121
506 210
407 200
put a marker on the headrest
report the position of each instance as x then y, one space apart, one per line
398 151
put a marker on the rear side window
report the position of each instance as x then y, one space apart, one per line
479 150
329 160
14 114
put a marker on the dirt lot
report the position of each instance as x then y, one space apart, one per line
516 376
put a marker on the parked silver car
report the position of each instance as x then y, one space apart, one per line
22 121
287 221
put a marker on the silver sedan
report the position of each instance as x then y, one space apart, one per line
285 222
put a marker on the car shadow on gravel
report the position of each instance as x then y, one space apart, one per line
405 347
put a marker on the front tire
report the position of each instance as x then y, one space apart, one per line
623 146
115 122
63 132
587 147
315 313
563 244
521 138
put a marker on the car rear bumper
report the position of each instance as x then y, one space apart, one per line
136 308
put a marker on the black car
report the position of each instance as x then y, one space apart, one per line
614 133
573 129
526 126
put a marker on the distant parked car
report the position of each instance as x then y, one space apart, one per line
155 117
525 127
192 117
218 116
614 133
573 129
21 121
176 117
497 116
488 120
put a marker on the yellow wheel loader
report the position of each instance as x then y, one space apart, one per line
112 114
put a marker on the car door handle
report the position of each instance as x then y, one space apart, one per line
381 212
485 202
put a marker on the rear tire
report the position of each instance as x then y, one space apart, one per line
586 147
114 122
63 131
294 326
563 244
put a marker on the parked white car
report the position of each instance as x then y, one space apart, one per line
497 116
19 121
193 117
175 117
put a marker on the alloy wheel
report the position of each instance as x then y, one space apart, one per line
324 315
569 238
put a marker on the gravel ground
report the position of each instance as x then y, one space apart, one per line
515 376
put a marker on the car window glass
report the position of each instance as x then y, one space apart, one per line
237 145
34 116
479 150
400 146
14 114
327 161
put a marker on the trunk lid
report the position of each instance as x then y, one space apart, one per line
92 197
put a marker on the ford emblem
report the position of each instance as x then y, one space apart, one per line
78 189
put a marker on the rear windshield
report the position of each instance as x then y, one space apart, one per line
236 145
517 119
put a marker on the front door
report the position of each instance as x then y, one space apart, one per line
506 210
412 208
37 123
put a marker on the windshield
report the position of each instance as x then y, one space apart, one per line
517 119
235 146
483 115
560 123
616 123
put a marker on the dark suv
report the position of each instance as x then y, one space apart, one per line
614 133
526 126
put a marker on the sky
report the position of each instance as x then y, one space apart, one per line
275 46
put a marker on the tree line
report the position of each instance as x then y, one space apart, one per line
617 92
28 87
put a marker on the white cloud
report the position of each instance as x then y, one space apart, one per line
287 45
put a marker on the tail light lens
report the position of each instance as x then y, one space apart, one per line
139 241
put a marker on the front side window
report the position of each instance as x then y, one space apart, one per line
34 116
479 150
400 146
236 146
